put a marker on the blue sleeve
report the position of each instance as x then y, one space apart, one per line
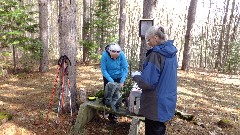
124 66
104 67
150 74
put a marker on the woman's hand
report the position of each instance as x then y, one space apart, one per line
121 84
135 73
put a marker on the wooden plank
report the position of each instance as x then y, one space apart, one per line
123 111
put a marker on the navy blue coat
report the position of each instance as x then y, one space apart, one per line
158 81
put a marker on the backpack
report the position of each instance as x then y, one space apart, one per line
134 99
113 95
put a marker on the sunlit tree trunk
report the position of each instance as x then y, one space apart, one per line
86 24
190 22
206 55
67 40
227 38
235 28
201 47
218 61
148 11
14 58
122 23
44 33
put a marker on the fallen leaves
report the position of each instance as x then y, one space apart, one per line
209 96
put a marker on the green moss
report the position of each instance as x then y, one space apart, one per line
224 123
100 94
5 115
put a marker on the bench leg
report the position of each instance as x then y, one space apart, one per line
134 127
85 114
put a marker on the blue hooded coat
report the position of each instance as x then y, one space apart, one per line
158 82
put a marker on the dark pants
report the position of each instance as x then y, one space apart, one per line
154 127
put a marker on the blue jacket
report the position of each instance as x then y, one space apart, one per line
158 81
113 69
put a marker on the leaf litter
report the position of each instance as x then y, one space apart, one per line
210 96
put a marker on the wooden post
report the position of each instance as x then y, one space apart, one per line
134 126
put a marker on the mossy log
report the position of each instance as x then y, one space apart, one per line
184 116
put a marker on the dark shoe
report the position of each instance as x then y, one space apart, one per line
113 121
113 118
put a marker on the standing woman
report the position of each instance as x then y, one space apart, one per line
158 81
114 67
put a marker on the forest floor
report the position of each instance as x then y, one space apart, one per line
209 96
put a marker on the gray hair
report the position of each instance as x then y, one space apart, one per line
155 30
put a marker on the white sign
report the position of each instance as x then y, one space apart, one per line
144 25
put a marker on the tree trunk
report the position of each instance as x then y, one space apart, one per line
148 11
206 55
218 61
122 23
201 48
44 33
67 40
235 28
190 22
14 59
227 38
86 29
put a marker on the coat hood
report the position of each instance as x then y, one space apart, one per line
167 49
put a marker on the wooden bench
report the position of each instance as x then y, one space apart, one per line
89 109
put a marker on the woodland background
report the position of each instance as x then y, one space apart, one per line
35 33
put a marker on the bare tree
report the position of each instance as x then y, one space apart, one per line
227 38
67 40
190 21
44 33
122 23
235 28
218 61
86 25
148 10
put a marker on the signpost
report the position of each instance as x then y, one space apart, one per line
144 24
